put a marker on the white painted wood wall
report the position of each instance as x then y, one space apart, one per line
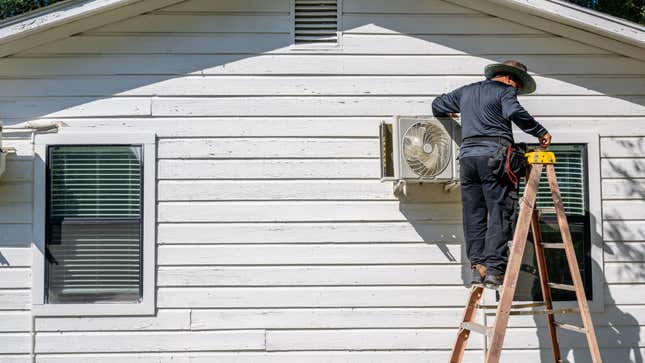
276 241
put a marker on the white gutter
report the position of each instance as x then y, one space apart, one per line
582 18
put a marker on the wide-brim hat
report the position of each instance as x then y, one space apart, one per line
515 68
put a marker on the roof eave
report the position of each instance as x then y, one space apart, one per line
68 18
582 18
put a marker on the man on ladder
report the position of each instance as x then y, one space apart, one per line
489 185
487 109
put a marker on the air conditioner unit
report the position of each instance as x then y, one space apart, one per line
420 149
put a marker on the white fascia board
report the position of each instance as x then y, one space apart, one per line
57 15
536 17
68 18
580 17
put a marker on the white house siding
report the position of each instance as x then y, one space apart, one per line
276 240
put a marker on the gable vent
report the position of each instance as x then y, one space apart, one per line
316 21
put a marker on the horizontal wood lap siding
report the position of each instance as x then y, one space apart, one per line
308 64
382 106
248 85
393 254
624 248
15 253
276 240
307 233
361 275
149 341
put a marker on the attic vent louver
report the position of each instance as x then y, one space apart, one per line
316 21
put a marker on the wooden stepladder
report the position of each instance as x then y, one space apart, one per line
529 218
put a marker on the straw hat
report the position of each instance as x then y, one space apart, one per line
516 69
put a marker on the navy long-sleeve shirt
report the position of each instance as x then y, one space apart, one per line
487 108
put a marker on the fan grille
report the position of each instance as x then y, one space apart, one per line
427 148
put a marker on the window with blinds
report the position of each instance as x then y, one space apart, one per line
94 223
316 21
571 180
571 172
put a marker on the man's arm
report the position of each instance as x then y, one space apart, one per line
512 110
447 103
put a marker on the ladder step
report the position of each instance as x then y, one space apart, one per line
553 245
475 327
490 287
539 312
546 210
514 306
570 327
553 285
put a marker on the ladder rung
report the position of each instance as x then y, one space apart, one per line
570 327
553 245
553 285
515 306
546 210
497 288
475 327
540 312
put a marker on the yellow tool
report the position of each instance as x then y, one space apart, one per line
540 157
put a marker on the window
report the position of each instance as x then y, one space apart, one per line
94 217
571 171
94 224
315 21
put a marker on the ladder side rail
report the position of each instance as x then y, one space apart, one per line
527 204
544 280
470 311
573 265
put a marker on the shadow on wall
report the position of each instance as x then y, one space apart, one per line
127 73
617 330
15 203
110 77
435 215
626 237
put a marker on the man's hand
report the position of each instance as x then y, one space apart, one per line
454 115
545 140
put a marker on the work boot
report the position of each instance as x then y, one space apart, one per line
493 280
477 274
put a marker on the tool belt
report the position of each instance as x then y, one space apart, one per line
508 163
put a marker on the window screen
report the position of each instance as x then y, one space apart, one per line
571 172
316 21
94 223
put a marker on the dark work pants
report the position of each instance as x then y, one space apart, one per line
488 209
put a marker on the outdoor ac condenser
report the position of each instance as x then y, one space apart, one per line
420 149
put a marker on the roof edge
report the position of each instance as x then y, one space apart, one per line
581 17
70 17
591 27
49 17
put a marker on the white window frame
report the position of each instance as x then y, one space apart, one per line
313 46
592 142
146 306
